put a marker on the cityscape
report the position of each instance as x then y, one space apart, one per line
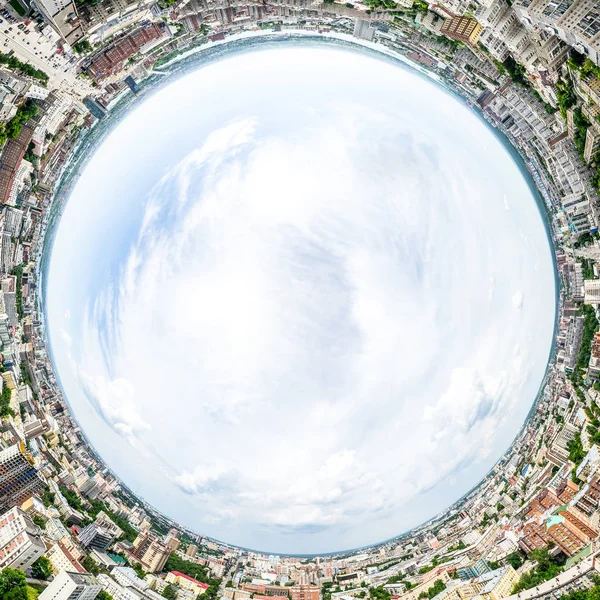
70 528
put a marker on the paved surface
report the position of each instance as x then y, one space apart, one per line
42 53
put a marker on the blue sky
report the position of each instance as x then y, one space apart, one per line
301 300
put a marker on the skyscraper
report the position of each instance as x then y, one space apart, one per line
19 479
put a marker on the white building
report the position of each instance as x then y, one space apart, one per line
20 540
72 586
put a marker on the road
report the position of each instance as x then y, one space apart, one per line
42 53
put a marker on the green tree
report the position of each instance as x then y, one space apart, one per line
41 568
39 521
103 595
13 585
90 565
576 451
170 592
137 567
515 560
82 46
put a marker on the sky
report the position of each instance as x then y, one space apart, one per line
301 299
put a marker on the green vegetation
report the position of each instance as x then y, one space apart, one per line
48 498
383 4
12 129
434 590
32 592
18 7
545 569
137 567
581 126
199 572
516 71
425 569
103 595
129 532
25 375
90 565
588 268
170 592
590 326
18 273
460 546
13 585
5 409
14 63
175 563
378 593
71 497
565 95
82 47
576 451
39 521
41 568
586 67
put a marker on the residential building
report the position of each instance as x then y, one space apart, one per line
21 541
72 586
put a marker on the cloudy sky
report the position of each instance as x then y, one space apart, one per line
301 299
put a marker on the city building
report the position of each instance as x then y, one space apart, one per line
19 479
21 541
463 29
72 586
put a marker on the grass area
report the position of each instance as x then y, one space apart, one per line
18 7
33 591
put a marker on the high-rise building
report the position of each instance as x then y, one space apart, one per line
95 108
305 592
577 22
173 543
95 536
20 540
363 30
19 479
462 29
133 86
72 586
150 551
191 550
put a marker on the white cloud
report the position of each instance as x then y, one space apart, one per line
313 330
518 300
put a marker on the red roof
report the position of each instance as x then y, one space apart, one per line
200 583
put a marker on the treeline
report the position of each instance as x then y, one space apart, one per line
5 397
199 572
547 567
12 128
14 63
129 532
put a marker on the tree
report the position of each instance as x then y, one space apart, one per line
103 595
515 560
82 46
39 521
13 585
137 567
90 565
41 568
170 592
